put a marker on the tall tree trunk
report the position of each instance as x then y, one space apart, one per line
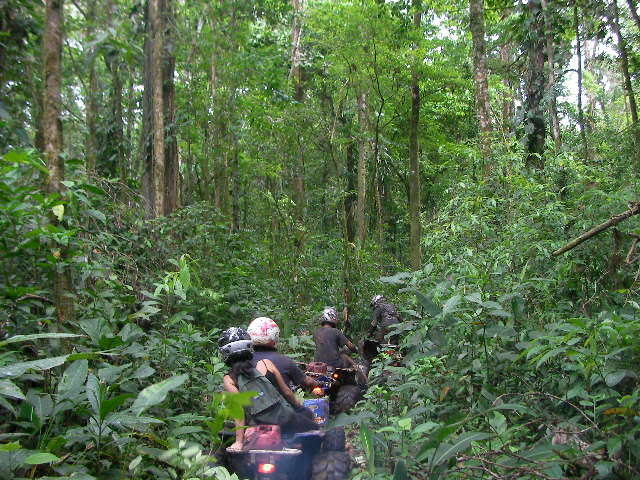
158 170
480 75
114 64
172 174
551 79
92 107
507 100
131 107
634 12
235 186
614 21
414 165
52 131
296 75
362 169
576 25
350 197
535 123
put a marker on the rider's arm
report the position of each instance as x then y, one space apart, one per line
282 386
351 346
231 387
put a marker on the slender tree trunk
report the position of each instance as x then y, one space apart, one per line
132 164
296 75
507 101
614 20
634 12
52 130
414 165
146 137
350 198
551 81
235 187
576 25
172 174
362 169
92 107
480 76
155 17
535 122
114 63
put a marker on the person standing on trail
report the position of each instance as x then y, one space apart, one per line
329 340
383 317
265 335
275 403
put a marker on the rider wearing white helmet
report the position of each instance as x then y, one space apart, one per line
265 335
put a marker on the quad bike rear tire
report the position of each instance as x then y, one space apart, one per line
334 440
331 466
346 398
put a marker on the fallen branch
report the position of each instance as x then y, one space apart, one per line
634 210
31 296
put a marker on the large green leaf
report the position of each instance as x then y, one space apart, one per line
447 450
10 389
37 336
156 393
18 369
428 304
94 394
72 381
40 458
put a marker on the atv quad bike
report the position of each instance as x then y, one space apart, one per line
314 455
369 349
343 386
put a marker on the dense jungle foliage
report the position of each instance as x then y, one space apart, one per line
171 168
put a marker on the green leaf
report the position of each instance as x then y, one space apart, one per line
37 336
94 394
447 451
430 307
10 389
400 471
121 419
368 447
58 211
156 393
73 380
40 458
44 364
451 305
108 406
97 214
614 378
10 447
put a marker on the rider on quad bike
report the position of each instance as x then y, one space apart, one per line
347 380
265 335
329 340
383 317
275 403
260 452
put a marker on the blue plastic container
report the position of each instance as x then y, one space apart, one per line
320 409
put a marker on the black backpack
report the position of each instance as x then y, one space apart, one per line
268 407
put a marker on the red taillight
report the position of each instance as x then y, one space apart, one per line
317 391
266 468
390 352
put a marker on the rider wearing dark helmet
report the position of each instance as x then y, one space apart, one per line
329 340
273 404
383 317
